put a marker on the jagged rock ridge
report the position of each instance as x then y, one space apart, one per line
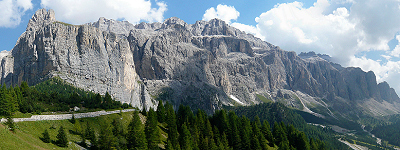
205 65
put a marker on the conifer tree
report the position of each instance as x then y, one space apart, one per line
18 94
302 141
77 127
185 139
169 145
195 132
234 138
97 101
266 130
245 131
119 133
62 140
13 101
7 105
10 123
91 136
161 112
172 127
46 136
313 145
152 130
107 103
106 139
224 141
136 136
279 134
258 137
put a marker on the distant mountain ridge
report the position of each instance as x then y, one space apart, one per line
205 65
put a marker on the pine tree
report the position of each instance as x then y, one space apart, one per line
161 112
7 106
136 136
18 94
313 145
46 136
245 130
284 145
258 137
62 140
152 130
279 133
77 127
172 127
91 136
185 139
10 123
302 141
97 101
169 145
107 103
119 133
107 140
233 132
13 101
266 130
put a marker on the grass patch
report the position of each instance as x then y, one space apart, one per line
63 23
264 99
28 133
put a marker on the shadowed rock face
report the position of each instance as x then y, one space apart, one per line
204 65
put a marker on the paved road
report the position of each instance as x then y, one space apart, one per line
67 116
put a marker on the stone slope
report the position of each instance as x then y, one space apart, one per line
204 65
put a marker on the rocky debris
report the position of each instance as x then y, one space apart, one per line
203 65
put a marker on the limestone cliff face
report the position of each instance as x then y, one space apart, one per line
204 65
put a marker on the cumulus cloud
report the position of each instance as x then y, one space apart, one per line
396 51
248 29
79 12
295 28
326 28
223 12
12 10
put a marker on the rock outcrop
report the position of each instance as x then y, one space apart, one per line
204 65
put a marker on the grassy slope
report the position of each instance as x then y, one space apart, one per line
27 135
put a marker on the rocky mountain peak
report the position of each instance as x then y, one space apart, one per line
41 17
173 21
110 25
312 56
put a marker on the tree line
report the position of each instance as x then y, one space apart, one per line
184 129
51 96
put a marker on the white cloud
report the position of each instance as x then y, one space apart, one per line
223 12
396 50
79 12
248 29
295 28
12 10
330 28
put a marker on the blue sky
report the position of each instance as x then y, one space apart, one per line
361 33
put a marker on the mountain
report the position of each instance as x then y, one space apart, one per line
205 65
